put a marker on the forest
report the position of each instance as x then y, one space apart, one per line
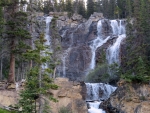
21 58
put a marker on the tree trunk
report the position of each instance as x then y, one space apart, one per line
40 85
1 69
54 74
11 76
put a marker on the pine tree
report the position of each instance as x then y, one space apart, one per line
38 79
62 6
111 5
16 33
105 8
136 62
90 7
69 7
81 9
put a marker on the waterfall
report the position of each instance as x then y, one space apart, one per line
112 54
47 38
64 56
99 41
96 93
47 32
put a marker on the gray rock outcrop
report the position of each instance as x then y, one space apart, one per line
129 98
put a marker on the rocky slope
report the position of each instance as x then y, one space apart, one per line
129 98
69 96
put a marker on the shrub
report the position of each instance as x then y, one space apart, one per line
100 73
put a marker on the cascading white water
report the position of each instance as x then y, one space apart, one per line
47 38
113 51
47 33
94 107
112 54
99 91
95 93
99 41
64 56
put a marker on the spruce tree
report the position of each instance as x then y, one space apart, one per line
90 7
69 7
16 33
81 9
38 80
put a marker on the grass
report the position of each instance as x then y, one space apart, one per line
5 111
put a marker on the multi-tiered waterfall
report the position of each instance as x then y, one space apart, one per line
81 45
96 92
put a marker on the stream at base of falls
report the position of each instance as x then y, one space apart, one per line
94 107
95 94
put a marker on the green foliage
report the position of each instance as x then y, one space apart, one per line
136 61
5 111
69 7
90 7
81 9
99 74
140 75
38 80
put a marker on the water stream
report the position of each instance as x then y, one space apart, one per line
99 41
47 38
97 92
113 51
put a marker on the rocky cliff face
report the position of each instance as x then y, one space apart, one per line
129 98
68 96
76 39
79 44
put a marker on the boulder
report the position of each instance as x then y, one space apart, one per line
76 17
11 86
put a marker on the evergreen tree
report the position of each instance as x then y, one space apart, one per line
48 6
112 4
136 60
105 8
90 7
38 79
62 6
16 34
69 7
81 9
